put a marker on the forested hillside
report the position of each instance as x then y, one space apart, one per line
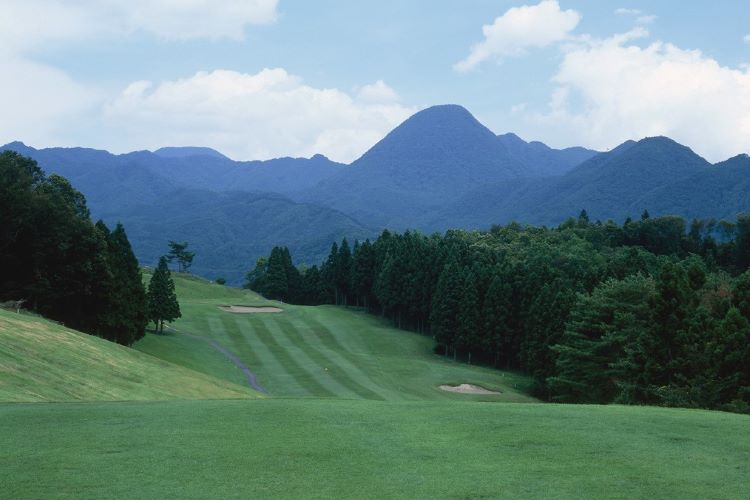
649 312
57 262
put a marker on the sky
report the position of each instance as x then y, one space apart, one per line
258 79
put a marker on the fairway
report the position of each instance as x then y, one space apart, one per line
293 448
323 351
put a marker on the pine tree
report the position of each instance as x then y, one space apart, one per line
127 315
363 273
469 317
741 296
653 359
600 328
731 360
496 317
162 300
328 274
343 270
276 283
445 307
179 252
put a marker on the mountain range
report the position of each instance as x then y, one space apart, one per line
440 169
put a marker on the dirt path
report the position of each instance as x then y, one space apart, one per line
252 379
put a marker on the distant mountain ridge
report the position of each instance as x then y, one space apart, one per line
439 169
230 212
433 158
188 151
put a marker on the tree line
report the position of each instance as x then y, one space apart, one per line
61 264
56 262
652 311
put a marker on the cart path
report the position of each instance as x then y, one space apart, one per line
252 379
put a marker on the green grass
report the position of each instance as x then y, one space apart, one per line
354 412
334 448
43 361
316 351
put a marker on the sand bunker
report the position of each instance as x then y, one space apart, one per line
249 309
467 389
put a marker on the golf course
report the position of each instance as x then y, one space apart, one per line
244 397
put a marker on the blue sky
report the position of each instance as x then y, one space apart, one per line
265 78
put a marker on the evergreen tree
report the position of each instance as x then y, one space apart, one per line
162 300
653 359
276 282
445 307
496 316
179 252
731 361
127 316
469 327
329 274
363 273
342 272
600 327
741 295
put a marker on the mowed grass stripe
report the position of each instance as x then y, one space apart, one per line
329 374
275 374
242 347
365 370
330 337
304 377
347 373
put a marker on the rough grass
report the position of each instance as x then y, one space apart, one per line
43 361
317 351
335 448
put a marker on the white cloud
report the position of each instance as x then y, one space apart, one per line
613 90
746 38
34 23
253 116
519 29
377 92
38 102
640 16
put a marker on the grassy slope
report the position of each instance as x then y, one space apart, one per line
301 448
316 351
43 361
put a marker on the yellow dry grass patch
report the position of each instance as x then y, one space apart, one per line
44 361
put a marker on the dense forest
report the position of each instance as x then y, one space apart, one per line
57 262
654 311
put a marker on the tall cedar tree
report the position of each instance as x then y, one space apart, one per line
342 272
162 300
445 307
129 308
276 282
496 315
469 315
